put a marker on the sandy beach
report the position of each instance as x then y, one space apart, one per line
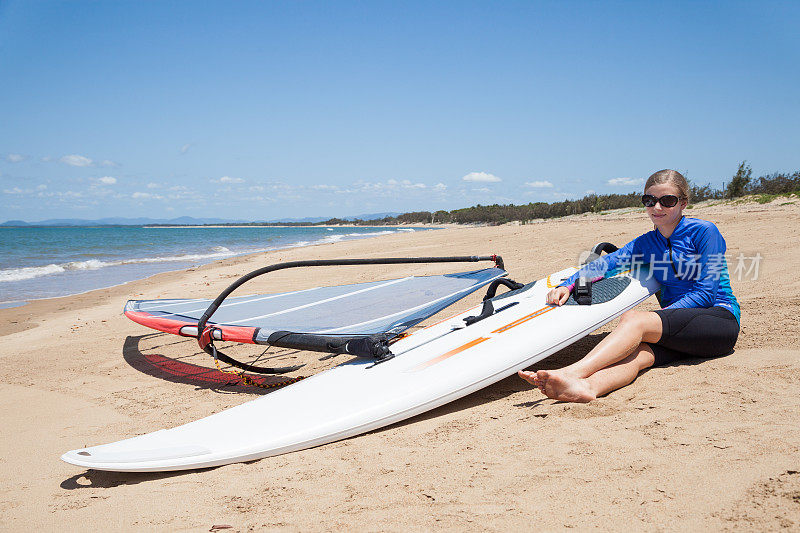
705 445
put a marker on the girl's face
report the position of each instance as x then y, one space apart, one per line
665 217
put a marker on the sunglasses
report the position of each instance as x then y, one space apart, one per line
668 200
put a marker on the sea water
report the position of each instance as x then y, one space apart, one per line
44 262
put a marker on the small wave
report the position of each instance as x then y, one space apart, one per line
330 239
217 252
371 233
20 274
173 258
91 264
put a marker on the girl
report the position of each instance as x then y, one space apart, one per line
699 316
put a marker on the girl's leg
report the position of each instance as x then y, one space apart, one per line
622 372
559 387
635 327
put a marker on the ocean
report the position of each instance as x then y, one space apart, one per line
44 262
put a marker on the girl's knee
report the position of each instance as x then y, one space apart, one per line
631 318
644 322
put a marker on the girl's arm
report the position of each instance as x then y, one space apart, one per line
706 271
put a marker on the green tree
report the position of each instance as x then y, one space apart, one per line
740 181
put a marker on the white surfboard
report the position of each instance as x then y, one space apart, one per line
433 366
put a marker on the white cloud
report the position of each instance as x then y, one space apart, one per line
624 181
385 188
324 187
107 180
176 196
406 184
482 177
108 163
76 161
228 179
185 148
439 187
152 185
46 159
146 196
38 191
69 194
544 184
15 158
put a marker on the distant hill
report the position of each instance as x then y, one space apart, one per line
314 220
373 216
180 221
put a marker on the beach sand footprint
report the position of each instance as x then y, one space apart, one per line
775 500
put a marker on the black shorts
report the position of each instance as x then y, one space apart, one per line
695 332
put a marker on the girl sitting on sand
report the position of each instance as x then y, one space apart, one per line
699 315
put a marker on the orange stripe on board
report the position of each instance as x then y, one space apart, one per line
524 319
479 340
451 353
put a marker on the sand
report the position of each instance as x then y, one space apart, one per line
703 445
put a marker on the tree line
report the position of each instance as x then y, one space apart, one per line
741 184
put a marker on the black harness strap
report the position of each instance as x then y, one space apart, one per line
488 306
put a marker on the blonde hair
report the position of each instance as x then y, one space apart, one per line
672 177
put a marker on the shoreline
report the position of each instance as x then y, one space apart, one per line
24 306
139 264
611 215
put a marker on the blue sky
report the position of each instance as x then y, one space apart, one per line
262 110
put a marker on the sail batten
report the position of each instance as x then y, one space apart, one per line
326 300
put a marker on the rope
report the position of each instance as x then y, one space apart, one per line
249 381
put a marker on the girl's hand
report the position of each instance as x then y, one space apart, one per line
558 296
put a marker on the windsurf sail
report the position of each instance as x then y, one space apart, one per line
359 319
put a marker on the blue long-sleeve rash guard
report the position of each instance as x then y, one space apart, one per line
690 266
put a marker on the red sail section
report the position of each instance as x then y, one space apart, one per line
167 325
174 326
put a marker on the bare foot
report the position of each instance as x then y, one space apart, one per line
531 378
559 385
